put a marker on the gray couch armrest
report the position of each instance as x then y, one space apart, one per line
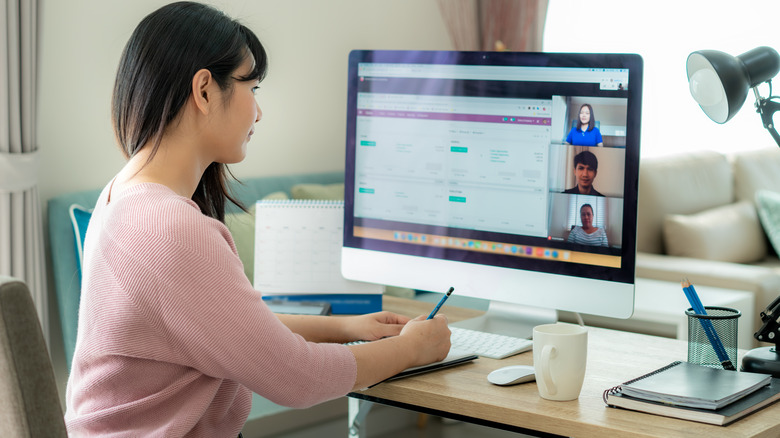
763 281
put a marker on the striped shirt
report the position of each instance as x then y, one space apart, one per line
596 238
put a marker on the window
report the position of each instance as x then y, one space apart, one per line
664 33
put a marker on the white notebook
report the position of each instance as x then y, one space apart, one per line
298 249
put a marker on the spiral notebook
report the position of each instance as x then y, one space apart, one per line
691 385
695 392
298 256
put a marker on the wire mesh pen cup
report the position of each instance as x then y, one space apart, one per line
723 321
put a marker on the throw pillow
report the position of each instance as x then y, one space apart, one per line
79 219
768 204
731 233
276 196
330 192
242 227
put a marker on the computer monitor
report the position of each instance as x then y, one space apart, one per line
473 170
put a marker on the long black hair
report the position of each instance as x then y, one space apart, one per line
154 80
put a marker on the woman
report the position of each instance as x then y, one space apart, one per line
585 133
587 234
172 337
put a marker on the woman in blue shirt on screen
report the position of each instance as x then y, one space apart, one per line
586 133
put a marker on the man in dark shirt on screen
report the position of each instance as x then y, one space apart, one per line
585 169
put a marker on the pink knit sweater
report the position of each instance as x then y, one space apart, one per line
172 337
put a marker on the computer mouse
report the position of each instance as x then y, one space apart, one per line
512 375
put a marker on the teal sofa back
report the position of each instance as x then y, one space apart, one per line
64 257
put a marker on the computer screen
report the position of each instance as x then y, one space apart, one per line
512 177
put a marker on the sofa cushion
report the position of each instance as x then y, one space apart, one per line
330 192
242 228
768 205
63 256
756 170
731 233
79 218
679 184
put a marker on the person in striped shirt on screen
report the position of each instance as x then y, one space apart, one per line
587 234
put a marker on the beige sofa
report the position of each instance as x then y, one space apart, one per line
698 219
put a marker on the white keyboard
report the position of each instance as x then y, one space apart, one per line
488 344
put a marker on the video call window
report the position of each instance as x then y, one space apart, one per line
489 154
586 171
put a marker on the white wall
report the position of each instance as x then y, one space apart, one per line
303 97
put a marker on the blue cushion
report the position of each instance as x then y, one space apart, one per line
79 217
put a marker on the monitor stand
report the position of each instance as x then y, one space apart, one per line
510 319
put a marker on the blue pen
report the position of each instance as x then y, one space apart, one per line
441 301
706 324
709 329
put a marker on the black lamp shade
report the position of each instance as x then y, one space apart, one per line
720 82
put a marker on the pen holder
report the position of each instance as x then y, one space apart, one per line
701 348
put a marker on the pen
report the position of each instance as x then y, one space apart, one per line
441 301
706 324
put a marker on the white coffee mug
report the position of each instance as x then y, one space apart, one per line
560 355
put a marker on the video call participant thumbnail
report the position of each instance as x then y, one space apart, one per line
585 133
586 167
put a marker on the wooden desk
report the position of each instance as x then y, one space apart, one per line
463 392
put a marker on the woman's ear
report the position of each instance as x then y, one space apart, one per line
203 90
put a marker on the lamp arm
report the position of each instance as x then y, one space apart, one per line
770 327
767 108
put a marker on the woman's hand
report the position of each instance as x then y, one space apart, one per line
373 326
431 336
419 342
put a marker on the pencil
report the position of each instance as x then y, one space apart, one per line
707 326
441 301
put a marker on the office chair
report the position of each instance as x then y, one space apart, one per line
29 402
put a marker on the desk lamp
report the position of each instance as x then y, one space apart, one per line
766 359
719 83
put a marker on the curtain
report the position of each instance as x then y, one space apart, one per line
21 228
486 25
